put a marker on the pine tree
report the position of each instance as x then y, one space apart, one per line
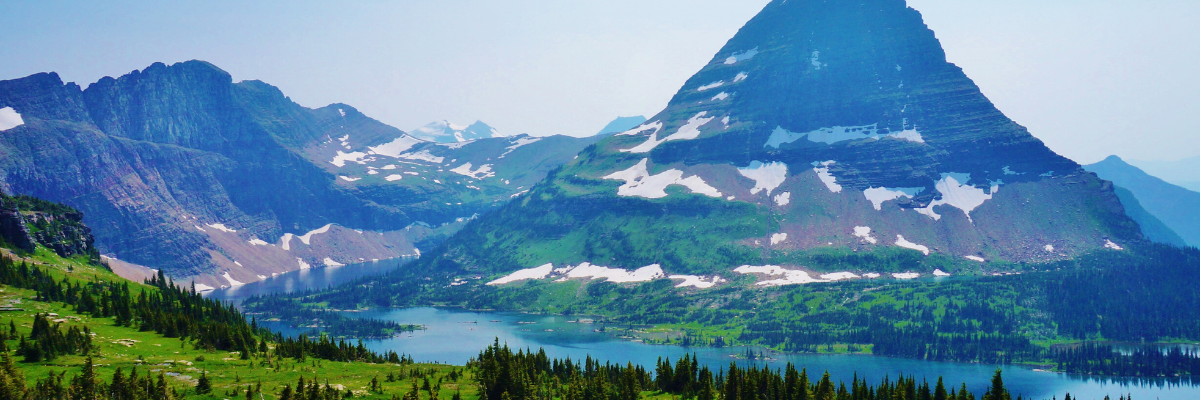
997 390
939 391
203 386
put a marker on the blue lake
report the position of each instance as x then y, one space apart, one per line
455 336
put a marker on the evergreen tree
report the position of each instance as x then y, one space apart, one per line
203 386
997 390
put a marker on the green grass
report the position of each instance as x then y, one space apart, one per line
127 348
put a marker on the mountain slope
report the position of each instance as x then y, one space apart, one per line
1175 207
181 169
822 136
622 124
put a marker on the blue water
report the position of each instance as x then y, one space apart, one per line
455 336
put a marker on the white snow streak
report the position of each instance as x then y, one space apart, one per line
308 236
639 182
743 56
232 282
484 171
9 118
877 196
959 195
838 134
765 176
222 228
696 281
394 148
827 178
864 233
529 273
689 131
900 241
778 237
783 199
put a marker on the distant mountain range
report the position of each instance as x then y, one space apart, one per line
1175 210
829 137
1184 173
448 132
179 168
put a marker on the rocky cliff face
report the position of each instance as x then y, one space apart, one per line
26 222
824 131
181 169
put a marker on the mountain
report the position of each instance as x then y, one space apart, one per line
622 124
824 136
448 132
1184 173
178 168
1176 208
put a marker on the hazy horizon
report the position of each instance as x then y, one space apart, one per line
1090 79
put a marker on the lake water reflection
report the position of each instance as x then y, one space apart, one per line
454 336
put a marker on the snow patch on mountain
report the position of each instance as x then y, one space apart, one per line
1108 244
741 76
830 181
839 134
657 126
778 238
837 276
342 158
615 275
713 85
783 199
393 177
900 241
222 228
698 282
308 236
518 143
742 56
639 182
975 258
688 131
956 193
395 147
423 155
329 262
232 282
765 176
790 277
10 118
484 171
864 233
877 196
720 96
349 179
539 272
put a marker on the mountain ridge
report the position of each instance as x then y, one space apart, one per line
1173 206
182 169
819 128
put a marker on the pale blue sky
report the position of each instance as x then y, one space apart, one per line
1091 78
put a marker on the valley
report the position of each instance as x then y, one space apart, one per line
826 208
